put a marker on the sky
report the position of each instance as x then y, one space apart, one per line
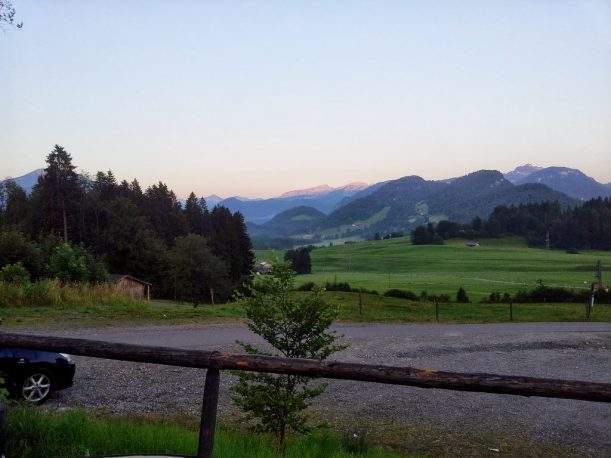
255 98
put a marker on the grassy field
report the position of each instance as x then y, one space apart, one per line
33 433
498 265
503 265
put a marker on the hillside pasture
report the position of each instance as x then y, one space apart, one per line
497 265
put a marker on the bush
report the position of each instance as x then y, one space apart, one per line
401 294
307 286
552 294
461 296
15 273
341 286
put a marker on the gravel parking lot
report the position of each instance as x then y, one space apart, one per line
483 422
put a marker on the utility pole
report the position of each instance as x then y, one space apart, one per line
547 240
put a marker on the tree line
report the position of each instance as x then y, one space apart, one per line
542 224
146 233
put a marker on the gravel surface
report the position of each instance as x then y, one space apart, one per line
578 427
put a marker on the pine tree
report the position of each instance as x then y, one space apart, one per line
59 194
461 296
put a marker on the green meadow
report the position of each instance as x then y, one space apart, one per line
497 265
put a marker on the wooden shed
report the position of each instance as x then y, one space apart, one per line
134 287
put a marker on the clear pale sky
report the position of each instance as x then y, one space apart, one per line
255 98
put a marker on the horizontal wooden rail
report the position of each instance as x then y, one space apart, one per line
423 378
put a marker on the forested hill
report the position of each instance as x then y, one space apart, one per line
298 220
145 233
412 200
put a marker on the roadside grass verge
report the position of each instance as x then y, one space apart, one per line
373 309
389 309
104 314
33 433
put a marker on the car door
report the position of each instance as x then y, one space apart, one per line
9 365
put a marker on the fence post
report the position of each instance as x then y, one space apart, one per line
436 310
588 309
208 420
360 301
511 311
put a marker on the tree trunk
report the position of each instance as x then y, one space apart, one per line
65 222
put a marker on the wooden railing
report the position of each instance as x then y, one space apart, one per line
215 361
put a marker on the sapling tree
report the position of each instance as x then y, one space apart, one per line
295 326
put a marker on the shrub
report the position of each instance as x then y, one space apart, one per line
307 286
15 273
401 294
461 296
554 294
341 286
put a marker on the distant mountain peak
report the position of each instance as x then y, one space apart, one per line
313 191
354 186
28 180
572 182
520 172
323 189
212 200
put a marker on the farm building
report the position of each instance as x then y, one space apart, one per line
134 287
264 268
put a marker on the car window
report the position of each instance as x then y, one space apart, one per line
5 353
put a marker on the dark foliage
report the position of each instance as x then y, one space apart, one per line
461 296
584 227
425 235
130 230
307 286
401 294
300 260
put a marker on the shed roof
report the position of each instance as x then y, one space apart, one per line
118 277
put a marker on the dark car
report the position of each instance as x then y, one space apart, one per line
33 374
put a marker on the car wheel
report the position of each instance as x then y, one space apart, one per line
36 388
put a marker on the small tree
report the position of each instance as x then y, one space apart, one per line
296 327
299 260
67 266
461 296
196 271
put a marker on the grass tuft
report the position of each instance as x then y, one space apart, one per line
34 433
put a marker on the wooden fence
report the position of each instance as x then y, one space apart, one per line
215 361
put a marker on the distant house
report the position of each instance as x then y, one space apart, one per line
264 268
472 244
132 286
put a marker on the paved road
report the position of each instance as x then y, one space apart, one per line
222 335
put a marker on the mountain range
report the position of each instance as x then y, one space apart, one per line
402 203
